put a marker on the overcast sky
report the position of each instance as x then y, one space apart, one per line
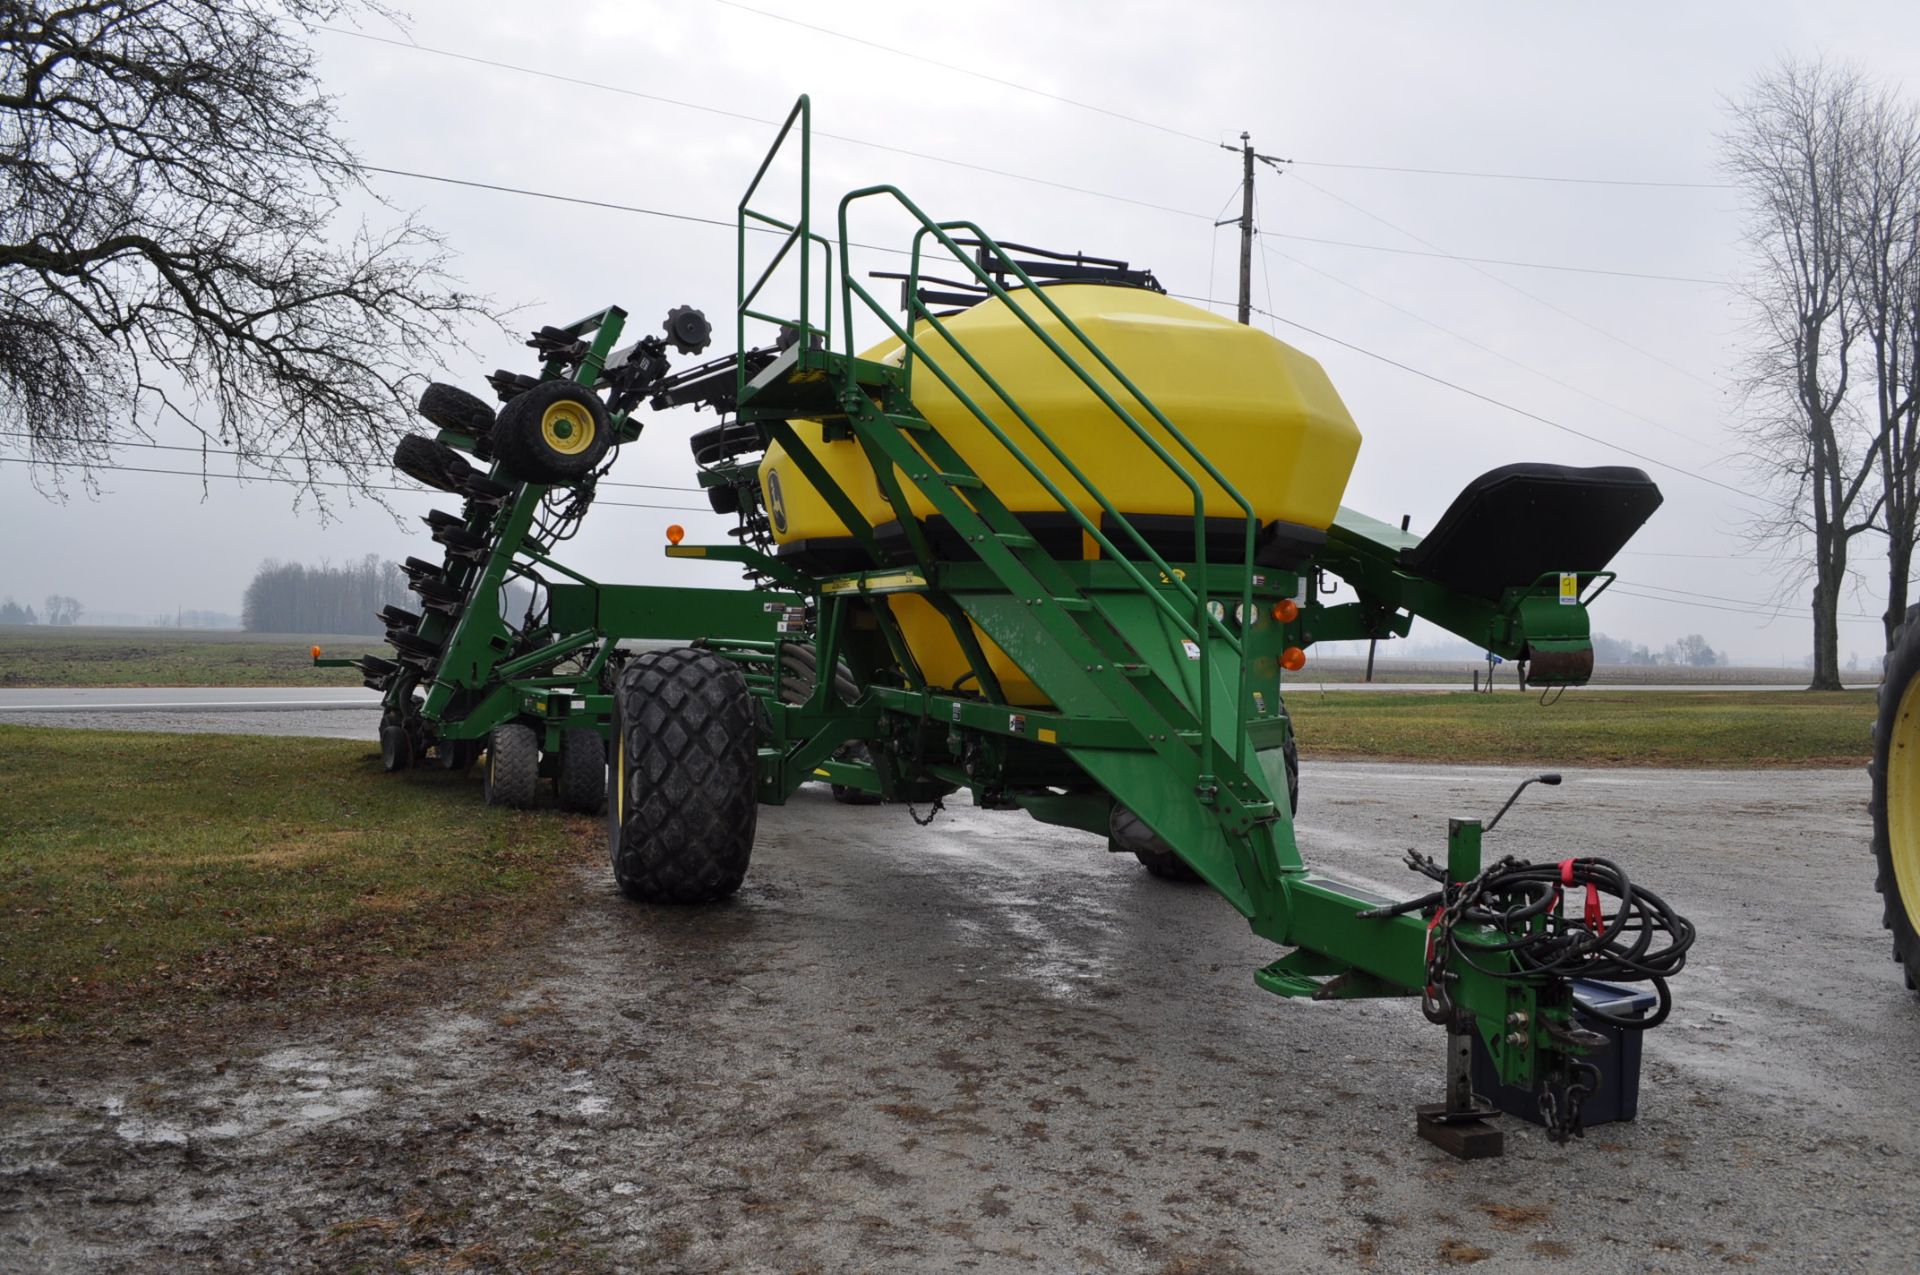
1627 92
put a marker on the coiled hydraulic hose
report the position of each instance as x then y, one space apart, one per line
1641 940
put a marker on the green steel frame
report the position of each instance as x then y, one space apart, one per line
485 675
1164 677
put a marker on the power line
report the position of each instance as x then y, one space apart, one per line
1515 177
1500 261
1771 614
762 120
309 460
969 71
1519 411
1478 345
1505 283
1195 137
913 154
297 482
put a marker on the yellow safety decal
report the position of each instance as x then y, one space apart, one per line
1048 735
1569 589
877 584
824 774
687 551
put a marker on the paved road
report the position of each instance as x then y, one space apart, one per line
353 713
990 1046
331 712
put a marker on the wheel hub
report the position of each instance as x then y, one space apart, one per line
567 428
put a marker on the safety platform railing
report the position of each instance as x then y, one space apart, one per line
1188 608
797 231
1200 626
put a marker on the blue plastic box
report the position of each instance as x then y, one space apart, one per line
1617 1095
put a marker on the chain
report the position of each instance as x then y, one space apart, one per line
933 812
1561 1100
1435 1002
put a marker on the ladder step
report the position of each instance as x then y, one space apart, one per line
1016 540
912 424
968 481
1134 670
1073 604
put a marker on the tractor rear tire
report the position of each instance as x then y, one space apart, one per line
1130 832
1896 796
513 766
683 802
556 432
581 784
451 408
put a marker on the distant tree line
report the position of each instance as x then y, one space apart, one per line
60 609
185 619
289 597
1692 651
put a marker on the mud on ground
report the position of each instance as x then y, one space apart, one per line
990 1046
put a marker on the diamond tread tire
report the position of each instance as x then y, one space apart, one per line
434 463
581 784
513 766
527 438
1902 666
683 801
1130 832
451 408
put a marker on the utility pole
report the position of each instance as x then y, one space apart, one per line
1246 228
1245 219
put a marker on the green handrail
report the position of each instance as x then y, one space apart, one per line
1205 626
799 231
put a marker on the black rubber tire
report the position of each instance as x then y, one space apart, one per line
683 799
1291 752
434 463
1130 832
1900 668
521 444
396 748
513 766
725 442
451 408
456 754
580 785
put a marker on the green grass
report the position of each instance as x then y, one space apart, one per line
1589 727
141 871
39 656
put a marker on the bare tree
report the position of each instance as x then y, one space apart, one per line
1881 215
1791 150
170 176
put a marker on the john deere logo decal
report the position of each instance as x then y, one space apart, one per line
776 503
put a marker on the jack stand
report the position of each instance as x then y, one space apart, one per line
1460 1125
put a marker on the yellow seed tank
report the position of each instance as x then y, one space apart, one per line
1262 412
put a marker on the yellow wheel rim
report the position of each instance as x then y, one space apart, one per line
567 428
1903 801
